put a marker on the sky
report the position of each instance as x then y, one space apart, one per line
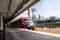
48 8
45 8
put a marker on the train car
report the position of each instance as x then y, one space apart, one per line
27 23
23 22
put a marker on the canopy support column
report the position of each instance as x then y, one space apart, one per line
1 22
2 27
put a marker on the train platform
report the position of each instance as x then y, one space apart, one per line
23 34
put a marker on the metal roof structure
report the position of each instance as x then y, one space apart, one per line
9 9
12 8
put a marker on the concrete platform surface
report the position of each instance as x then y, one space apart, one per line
18 34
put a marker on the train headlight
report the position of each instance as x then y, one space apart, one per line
29 25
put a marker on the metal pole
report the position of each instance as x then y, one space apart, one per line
28 13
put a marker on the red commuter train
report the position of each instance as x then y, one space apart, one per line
27 23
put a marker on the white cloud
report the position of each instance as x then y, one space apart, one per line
51 13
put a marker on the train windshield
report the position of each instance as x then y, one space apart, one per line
28 21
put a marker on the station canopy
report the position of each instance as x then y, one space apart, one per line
12 8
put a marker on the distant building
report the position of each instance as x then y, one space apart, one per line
46 19
41 18
58 19
53 18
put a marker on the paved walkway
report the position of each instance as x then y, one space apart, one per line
22 34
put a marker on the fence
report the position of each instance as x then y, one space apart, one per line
48 27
